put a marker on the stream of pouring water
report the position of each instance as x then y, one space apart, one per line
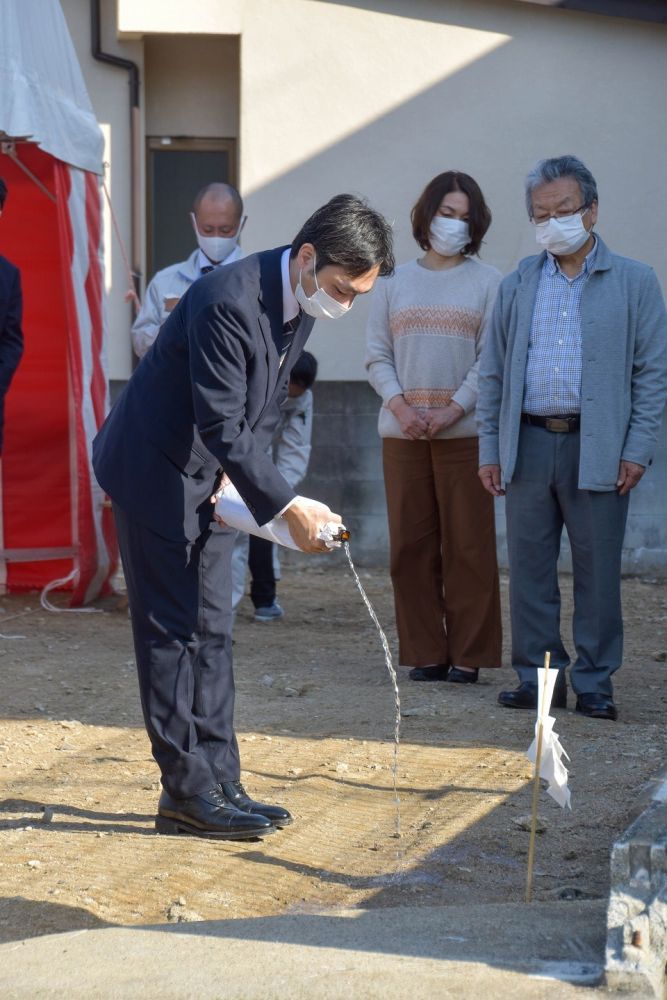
392 675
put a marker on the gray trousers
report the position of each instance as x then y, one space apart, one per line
542 497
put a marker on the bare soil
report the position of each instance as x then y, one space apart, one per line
78 786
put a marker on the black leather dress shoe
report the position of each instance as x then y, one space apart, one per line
438 672
210 814
457 676
596 706
237 795
525 696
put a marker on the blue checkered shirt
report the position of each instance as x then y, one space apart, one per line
552 385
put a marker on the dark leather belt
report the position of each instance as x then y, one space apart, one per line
559 425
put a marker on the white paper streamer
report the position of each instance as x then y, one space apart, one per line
552 768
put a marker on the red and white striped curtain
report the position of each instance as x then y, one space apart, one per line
56 525
78 199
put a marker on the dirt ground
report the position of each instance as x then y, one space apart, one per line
78 787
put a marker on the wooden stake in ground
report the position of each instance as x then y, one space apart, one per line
536 779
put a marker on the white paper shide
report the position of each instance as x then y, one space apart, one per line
552 768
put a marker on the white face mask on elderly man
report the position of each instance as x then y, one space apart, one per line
564 235
216 248
320 304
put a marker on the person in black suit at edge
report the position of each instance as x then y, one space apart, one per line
11 310
203 404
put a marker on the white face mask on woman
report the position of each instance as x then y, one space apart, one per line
320 304
563 235
448 236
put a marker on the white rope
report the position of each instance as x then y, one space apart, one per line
46 603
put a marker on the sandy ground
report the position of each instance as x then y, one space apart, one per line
78 786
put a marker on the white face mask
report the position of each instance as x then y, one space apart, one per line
562 236
448 236
320 304
217 248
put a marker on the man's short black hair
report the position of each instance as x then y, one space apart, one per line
3 194
347 232
304 372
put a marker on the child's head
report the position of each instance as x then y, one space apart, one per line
302 375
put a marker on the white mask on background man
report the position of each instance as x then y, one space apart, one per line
216 248
320 304
448 236
562 236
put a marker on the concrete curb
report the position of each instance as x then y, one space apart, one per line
541 951
637 914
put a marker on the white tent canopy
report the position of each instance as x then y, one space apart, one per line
43 96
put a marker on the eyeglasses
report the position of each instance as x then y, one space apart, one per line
542 220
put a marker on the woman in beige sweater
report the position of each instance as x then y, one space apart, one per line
425 334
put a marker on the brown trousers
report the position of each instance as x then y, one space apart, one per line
443 554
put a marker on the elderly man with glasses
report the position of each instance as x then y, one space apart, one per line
572 386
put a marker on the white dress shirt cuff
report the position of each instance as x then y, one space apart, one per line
286 507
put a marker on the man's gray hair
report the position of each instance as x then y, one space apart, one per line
553 169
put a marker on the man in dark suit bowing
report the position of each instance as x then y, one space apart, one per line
11 308
203 403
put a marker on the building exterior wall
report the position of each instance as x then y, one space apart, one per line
192 85
376 97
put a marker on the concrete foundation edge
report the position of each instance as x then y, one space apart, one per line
636 951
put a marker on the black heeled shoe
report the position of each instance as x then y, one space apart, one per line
457 676
438 672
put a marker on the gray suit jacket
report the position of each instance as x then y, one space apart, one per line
624 367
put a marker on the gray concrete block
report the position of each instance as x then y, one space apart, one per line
637 914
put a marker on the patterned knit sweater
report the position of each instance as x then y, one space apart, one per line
424 338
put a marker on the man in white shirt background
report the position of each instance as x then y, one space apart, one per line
290 450
217 219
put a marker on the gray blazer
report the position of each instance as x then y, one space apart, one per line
624 367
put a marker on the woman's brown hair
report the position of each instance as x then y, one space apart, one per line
479 215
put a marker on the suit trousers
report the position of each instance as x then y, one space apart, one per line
442 554
179 594
542 497
262 578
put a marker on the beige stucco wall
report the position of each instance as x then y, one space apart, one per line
353 96
192 85
139 17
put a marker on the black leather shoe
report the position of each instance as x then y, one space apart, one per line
210 814
438 672
457 676
237 795
525 696
596 706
